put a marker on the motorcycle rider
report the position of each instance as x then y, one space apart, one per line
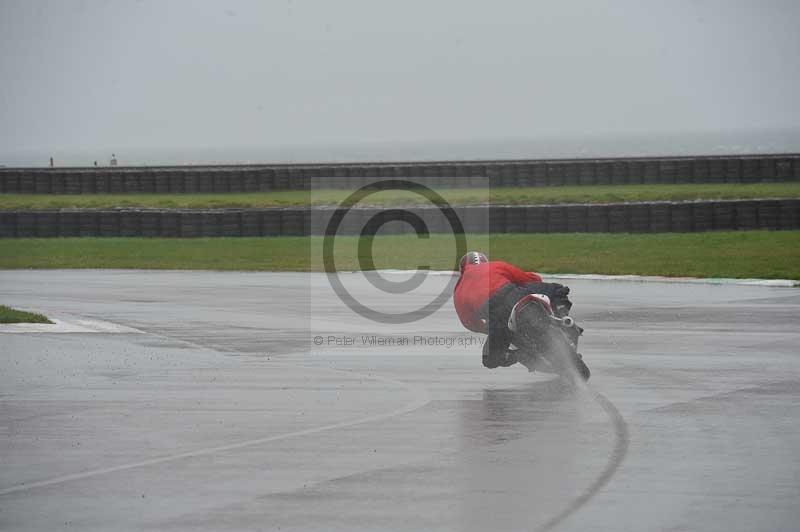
485 294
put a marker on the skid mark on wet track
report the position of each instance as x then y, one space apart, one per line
622 441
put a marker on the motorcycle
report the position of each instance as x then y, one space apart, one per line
546 341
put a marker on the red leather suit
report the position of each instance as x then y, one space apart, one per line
478 282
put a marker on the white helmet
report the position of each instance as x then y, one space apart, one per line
473 257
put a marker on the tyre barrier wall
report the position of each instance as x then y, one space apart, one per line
658 217
164 180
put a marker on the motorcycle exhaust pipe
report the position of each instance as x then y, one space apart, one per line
565 322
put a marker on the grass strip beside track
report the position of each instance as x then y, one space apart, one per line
750 254
496 195
10 315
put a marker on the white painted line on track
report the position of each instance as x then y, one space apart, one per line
69 325
681 280
629 278
587 276
421 398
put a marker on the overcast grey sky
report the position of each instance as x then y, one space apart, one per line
176 81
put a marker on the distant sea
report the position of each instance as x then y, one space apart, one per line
729 143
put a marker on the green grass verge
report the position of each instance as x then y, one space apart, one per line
10 315
758 254
528 195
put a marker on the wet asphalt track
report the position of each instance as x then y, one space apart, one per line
224 415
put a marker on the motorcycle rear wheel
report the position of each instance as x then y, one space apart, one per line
554 345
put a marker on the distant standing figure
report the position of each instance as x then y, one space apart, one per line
95 163
51 162
113 159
